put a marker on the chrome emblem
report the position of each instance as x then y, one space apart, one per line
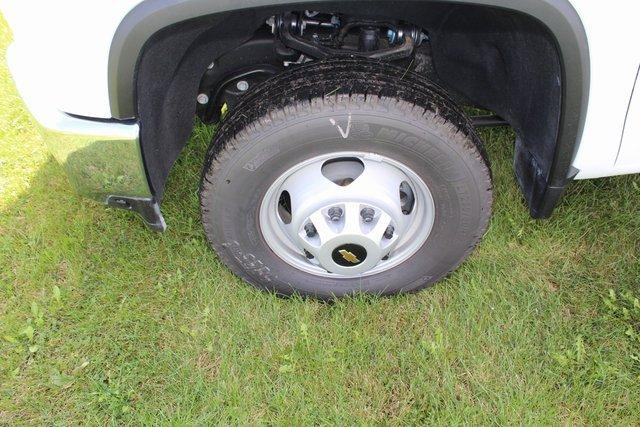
349 256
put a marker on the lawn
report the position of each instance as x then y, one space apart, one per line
105 322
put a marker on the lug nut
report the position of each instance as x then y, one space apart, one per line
388 233
335 213
367 214
308 254
310 229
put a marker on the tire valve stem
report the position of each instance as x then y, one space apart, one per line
388 233
367 214
335 213
310 229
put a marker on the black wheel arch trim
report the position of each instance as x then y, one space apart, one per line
558 16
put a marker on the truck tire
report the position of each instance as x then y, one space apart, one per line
345 176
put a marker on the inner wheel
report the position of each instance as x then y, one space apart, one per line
347 214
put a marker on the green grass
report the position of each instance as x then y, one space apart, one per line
104 322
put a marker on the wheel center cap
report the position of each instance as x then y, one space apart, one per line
349 255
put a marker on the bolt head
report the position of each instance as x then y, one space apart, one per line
335 213
242 85
310 229
203 99
367 214
388 233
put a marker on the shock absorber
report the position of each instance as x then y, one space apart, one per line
368 39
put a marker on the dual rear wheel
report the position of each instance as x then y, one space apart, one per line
345 176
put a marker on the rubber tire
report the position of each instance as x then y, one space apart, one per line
286 120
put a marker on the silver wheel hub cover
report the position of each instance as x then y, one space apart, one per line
347 214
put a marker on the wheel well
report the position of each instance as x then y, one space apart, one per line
496 58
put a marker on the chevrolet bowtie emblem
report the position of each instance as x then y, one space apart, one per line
348 256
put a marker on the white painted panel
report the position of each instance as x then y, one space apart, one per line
613 32
69 41
629 156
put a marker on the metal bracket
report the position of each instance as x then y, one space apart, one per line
147 208
487 121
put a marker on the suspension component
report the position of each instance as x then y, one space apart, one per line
331 38
295 38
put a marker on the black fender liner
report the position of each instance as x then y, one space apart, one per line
543 167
